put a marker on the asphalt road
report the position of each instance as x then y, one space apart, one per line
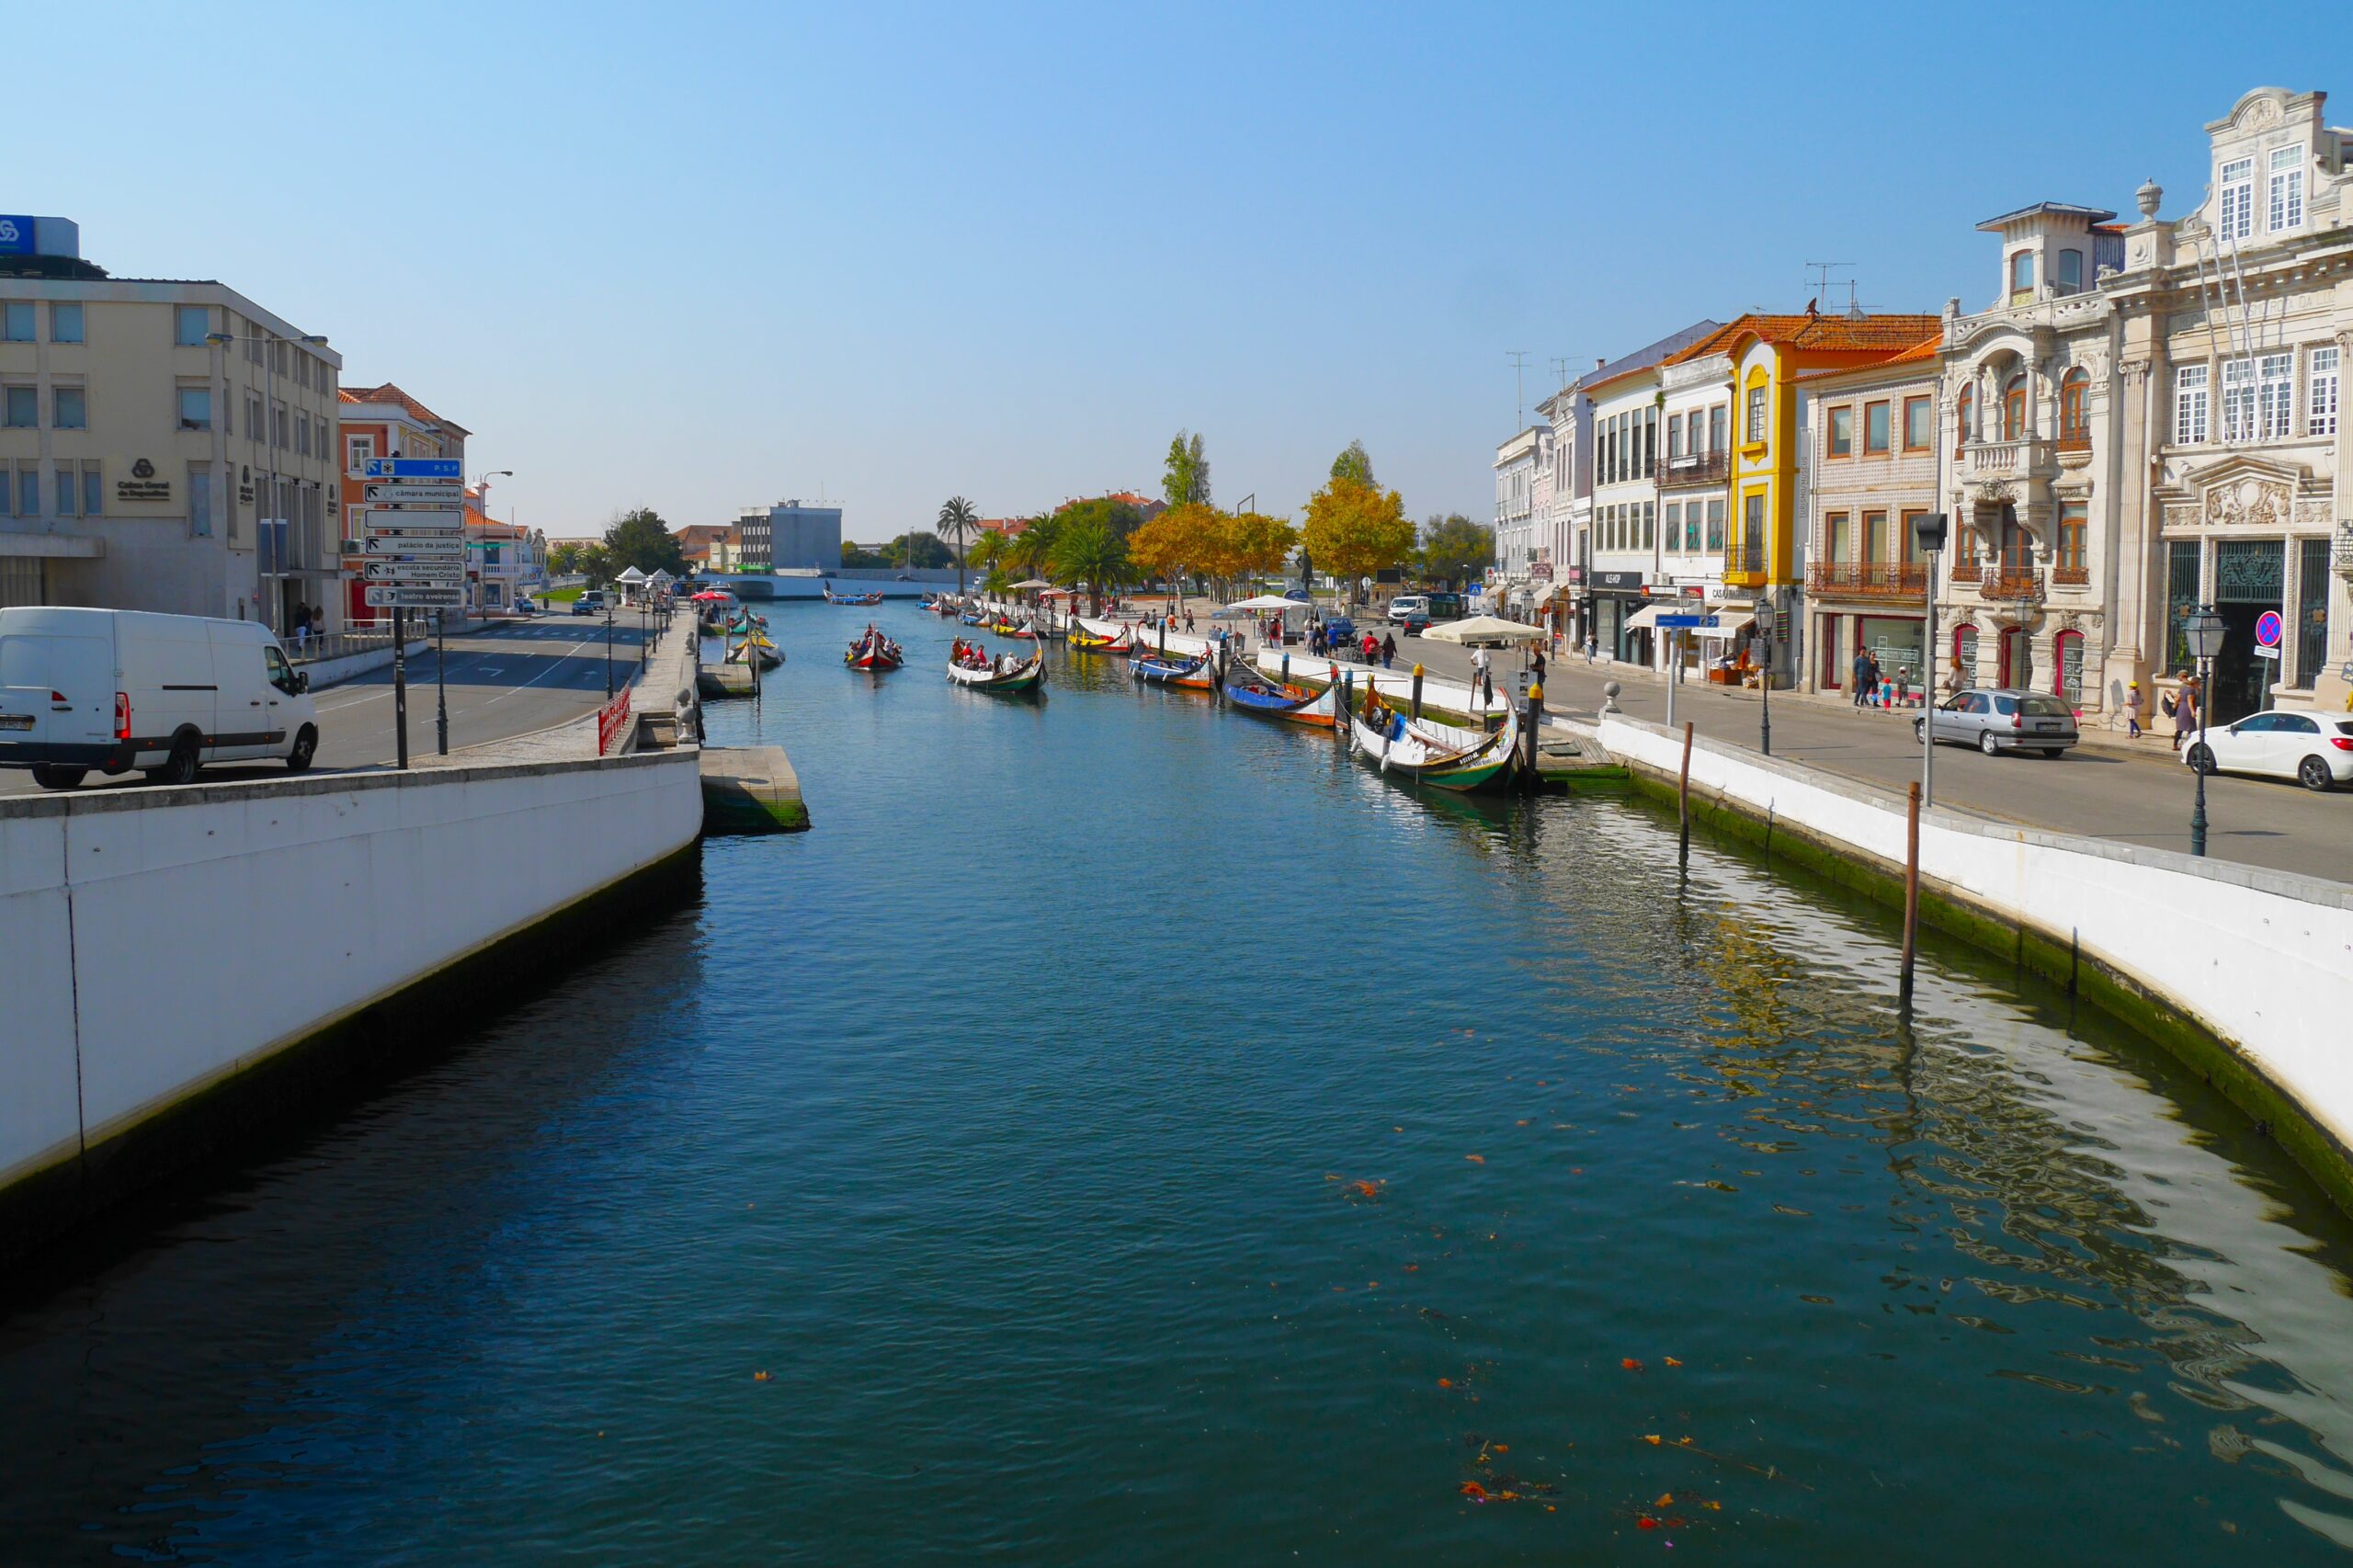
505 680
2098 791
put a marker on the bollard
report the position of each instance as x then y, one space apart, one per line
1417 691
1163 637
1911 884
1683 794
1286 669
1347 699
1535 730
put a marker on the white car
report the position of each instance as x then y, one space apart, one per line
112 689
2313 749
1405 607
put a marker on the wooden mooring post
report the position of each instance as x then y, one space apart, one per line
1911 884
1683 794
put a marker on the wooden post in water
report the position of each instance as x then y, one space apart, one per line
1348 698
1286 668
1535 730
1683 794
1417 691
1911 883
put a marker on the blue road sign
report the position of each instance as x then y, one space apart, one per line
1681 623
415 468
2267 629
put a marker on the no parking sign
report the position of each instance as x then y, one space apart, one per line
2267 628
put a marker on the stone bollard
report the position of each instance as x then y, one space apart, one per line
1609 690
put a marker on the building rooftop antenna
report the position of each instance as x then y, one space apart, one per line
1518 358
1822 279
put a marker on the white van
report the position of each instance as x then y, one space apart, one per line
1405 607
115 689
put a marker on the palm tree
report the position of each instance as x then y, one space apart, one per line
1092 554
1030 548
988 550
956 522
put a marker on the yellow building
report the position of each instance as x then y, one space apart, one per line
1766 354
165 445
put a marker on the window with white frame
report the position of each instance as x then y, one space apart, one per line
2286 188
2237 216
2238 399
2275 397
2320 404
2189 393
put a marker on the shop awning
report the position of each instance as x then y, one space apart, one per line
1727 625
1644 619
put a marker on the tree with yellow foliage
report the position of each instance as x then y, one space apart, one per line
1355 530
1180 540
1258 544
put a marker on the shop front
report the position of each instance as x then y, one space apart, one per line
1617 598
1898 643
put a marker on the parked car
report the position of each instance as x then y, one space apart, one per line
2313 749
112 689
1404 608
1339 631
524 604
1411 624
590 603
2006 719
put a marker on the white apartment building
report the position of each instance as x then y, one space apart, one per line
1625 508
1516 542
1694 481
165 444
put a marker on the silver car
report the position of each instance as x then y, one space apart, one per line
2006 720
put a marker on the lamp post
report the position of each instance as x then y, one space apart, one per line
1764 630
2203 629
608 649
1929 531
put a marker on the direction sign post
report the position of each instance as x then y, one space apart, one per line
414 549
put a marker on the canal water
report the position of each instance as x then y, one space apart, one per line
1127 1132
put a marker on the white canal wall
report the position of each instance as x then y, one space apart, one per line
2262 960
154 942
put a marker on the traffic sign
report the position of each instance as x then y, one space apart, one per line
414 468
1681 623
448 517
382 597
378 547
2267 629
2268 651
413 492
436 571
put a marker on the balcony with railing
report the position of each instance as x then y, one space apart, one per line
2026 457
1696 468
2071 576
1867 579
1744 563
2022 584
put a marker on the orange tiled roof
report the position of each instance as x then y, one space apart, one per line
390 393
1825 333
1927 351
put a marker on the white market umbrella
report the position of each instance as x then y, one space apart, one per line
1266 602
1487 628
1027 584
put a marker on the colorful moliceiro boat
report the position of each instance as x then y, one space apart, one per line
1005 627
1436 754
1003 674
874 652
1272 699
1193 674
855 599
1100 636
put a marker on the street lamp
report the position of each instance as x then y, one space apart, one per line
2202 629
608 649
1764 632
1928 532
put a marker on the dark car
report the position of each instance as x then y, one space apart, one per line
1339 632
1412 622
2006 720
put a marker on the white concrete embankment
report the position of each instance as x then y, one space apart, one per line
157 941
2262 960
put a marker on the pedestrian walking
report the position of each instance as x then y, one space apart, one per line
1592 648
2183 706
2133 711
1480 661
1388 650
1538 665
1865 674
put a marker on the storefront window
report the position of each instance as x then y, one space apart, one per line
1897 645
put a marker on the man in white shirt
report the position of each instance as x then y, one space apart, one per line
1483 682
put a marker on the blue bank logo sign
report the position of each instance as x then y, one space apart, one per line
16 236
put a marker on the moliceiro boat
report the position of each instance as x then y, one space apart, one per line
1273 700
974 668
1435 754
1099 636
874 652
1193 674
852 599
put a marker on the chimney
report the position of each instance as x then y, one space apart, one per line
1598 362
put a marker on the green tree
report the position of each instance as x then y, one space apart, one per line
1455 548
988 550
641 538
1028 551
858 556
1090 552
958 522
1187 477
1121 517
920 551
1355 530
589 559
1354 464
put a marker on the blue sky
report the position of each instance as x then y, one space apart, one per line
695 256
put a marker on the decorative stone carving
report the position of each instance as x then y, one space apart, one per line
2148 195
2134 372
2253 502
2261 114
1993 491
2311 514
2180 515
